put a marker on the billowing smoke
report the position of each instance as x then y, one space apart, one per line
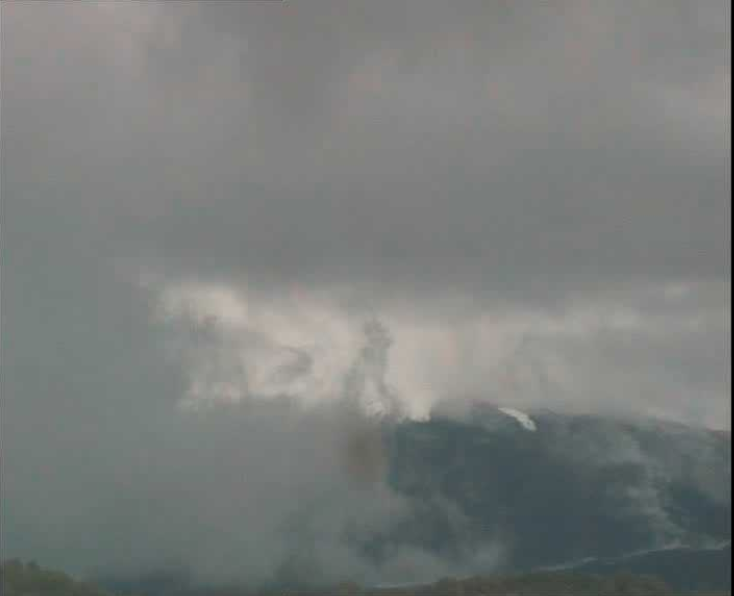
366 382
280 169
200 456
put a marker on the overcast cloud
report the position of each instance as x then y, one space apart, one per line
204 202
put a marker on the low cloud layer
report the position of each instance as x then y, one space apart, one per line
599 354
359 207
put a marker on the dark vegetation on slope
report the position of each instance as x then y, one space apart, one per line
687 569
28 579
578 487
20 579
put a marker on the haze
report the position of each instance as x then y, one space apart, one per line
208 207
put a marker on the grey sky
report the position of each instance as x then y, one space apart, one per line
393 143
532 196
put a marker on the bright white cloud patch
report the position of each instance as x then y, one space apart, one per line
315 349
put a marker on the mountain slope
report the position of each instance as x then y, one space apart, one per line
28 579
559 488
499 490
687 569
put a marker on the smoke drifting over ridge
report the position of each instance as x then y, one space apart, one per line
318 347
202 205
247 491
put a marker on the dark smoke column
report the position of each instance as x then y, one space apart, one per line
369 400
365 385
